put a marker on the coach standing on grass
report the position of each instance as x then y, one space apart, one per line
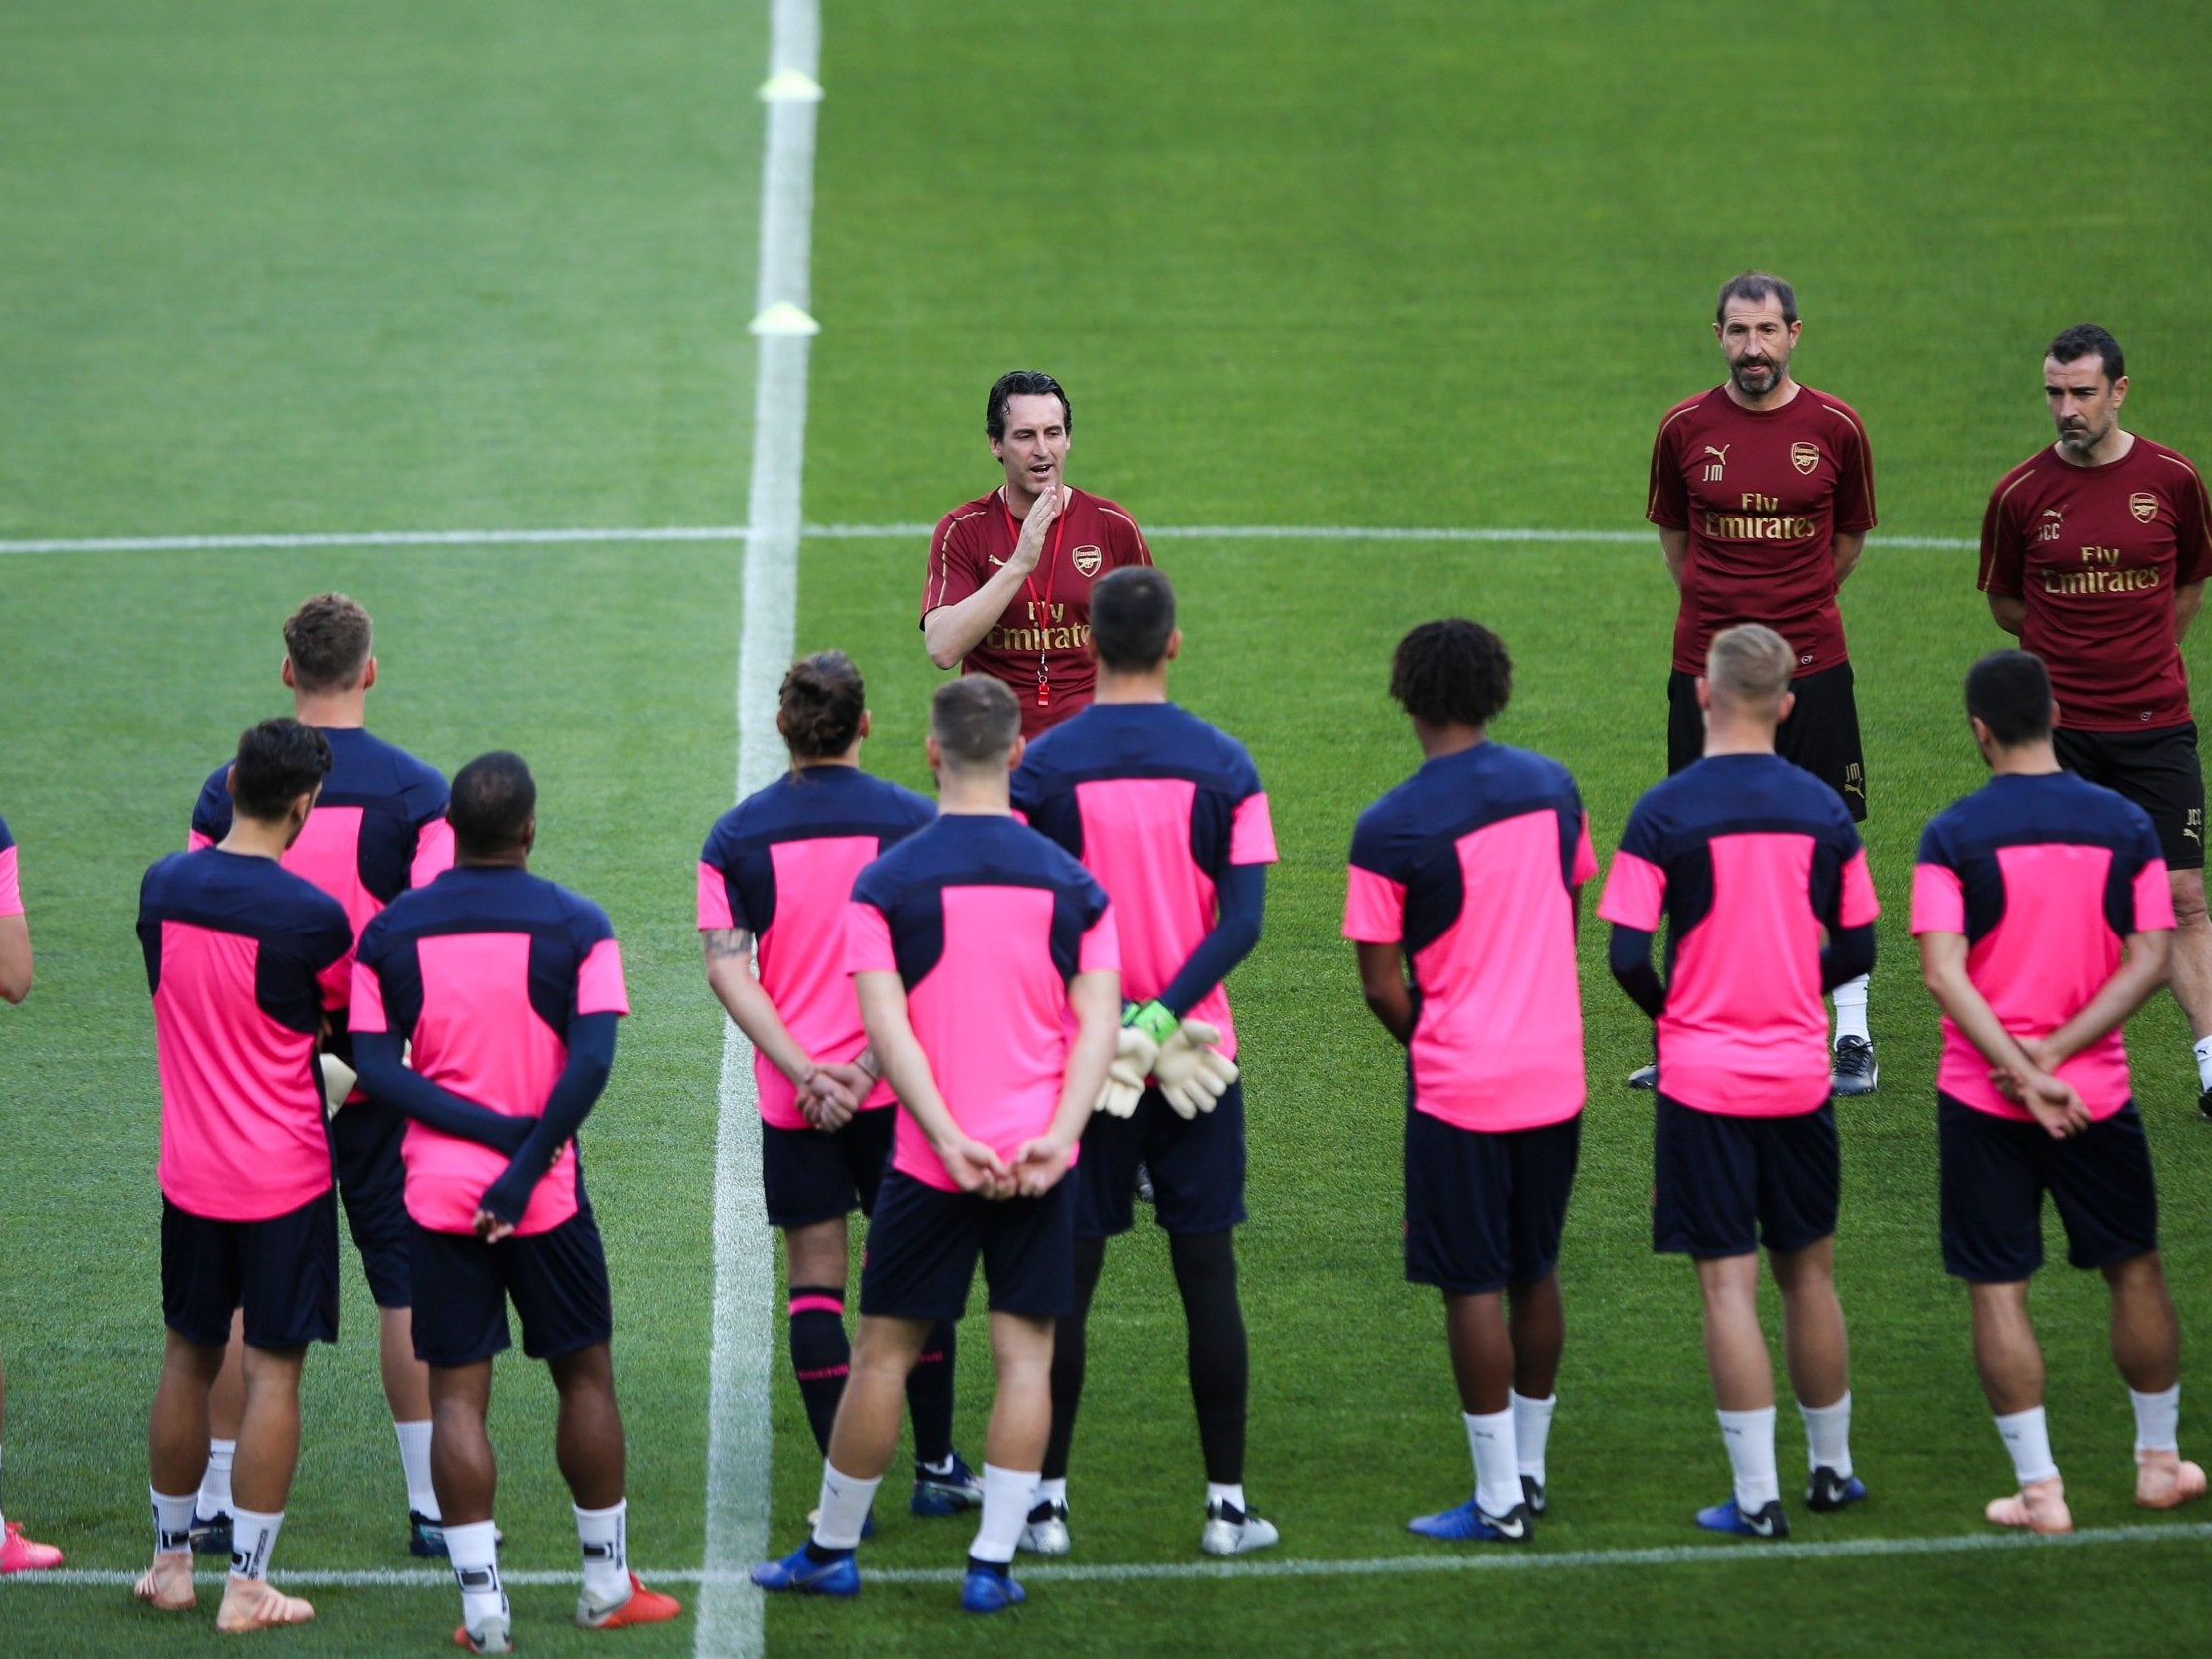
1763 492
1009 588
2095 553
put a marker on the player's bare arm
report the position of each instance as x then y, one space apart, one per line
1849 545
15 959
2186 602
2010 612
1095 998
1383 983
2052 1103
972 1164
2140 972
729 956
952 631
1675 547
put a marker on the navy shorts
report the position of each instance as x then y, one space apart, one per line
283 1270
1997 1170
1724 1185
1820 735
556 1280
1197 1164
810 1176
1485 1209
2157 770
923 1241
364 1137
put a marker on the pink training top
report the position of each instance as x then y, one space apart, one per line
985 922
1751 862
1158 805
481 971
1472 865
379 828
2046 877
11 888
234 946
781 865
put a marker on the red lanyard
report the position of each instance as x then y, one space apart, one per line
1051 579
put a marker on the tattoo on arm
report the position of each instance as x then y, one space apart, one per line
727 943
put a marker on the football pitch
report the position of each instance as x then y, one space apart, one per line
322 269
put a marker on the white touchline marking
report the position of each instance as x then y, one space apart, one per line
1477 1559
738 1405
1509 536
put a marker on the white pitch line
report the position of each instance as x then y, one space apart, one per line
1508 536
737 1427
1715 1553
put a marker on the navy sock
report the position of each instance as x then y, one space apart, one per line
1004 1570
821 1353
929 1395
822 1555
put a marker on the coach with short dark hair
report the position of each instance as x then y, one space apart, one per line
1008 589
1763 492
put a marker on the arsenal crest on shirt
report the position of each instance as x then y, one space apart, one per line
2143 505
1805 457
1088 559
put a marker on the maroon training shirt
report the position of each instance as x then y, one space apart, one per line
1051 619
1763 494
2096 552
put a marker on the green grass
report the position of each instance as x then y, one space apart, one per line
335 268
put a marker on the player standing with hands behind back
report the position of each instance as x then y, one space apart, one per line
1763 492
2095 553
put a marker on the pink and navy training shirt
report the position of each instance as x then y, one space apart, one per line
377 829
781 865
984 922
2044 877
482 970
236 951
1750 861
1470 866
11 888
1157 805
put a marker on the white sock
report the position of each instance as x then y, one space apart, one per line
844 1509
215 1484
2028 1438
253 1535
1052 1492
1749 1437
473 1549
1850 998
1828 1435
2158 1420
1498 1465
607 1550
1531 1432
415 1463
1234 1495
2204 1063
1005 1507
172 1522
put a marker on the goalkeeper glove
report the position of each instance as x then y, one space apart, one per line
337 1083
1191 1073
1125 1078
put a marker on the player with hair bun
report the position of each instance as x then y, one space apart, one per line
774 880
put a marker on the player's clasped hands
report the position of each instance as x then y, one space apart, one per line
832 1094
976 1168
1040 1164
2049 1099
1192 1071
